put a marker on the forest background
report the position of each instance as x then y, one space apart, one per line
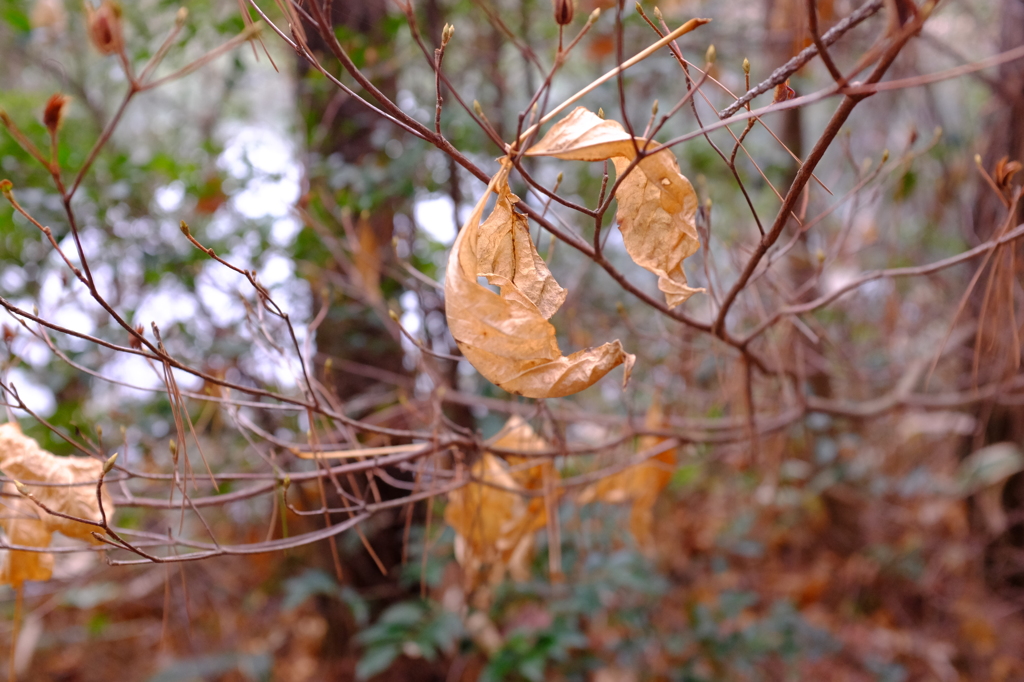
227 247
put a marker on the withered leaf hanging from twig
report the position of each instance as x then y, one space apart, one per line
657 205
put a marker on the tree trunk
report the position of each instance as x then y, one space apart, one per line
997 354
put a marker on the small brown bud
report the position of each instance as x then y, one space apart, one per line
134 341
564 11
5 187
53 115
783 92
106 30
1004 172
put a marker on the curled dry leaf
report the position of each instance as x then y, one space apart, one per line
22 459
506 336
20 520
657 206
494 524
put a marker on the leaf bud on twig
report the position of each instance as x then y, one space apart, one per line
22 488
106 30
593 16
181 16
746 66
564 11
109 464
654 108
53 114
709 56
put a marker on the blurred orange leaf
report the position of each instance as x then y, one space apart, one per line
22 526
639 485
22 459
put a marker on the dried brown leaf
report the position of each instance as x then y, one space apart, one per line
22 459
657 206
506 336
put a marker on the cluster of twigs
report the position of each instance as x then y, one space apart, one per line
429 457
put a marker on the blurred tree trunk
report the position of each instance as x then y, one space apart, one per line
998 423
357 353
342 132
356 337
786 33
1005 124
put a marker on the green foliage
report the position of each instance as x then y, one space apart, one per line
722 647
12 13
252 667
314 582
418 629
